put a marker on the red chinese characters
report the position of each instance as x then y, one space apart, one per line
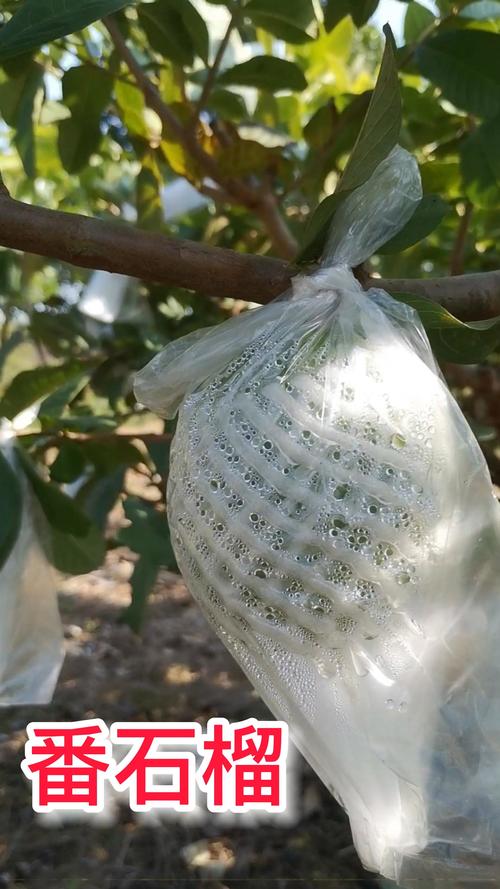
67 763
138 770
242 765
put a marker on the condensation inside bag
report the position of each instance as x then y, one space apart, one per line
31 639
332 513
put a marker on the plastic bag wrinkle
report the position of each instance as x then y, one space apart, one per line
333 515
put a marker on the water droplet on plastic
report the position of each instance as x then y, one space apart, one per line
340 492
398 441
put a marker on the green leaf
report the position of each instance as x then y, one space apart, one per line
417 19
318 227
362 10
99 495
55 404
148 534
285 19
159 452
166 24
227 104
11 343
132 107
60 510
69 463
321 127
18 65
12 508
149 203
142 582
424 117
480 164
30 386
17 104
426 218
108 454
74 545
40 21
377 137
86 92
333 134
73 554
196 27
246 157
464 65
381 126
359 10
481 10
266 73
334 11
451 339
442 177
86 423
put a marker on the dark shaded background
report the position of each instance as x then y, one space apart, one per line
176 670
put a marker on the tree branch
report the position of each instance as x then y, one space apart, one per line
471 297
119 247
262 203
211 271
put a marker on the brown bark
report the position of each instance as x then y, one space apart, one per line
211 271
117 247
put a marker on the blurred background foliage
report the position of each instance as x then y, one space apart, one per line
275 92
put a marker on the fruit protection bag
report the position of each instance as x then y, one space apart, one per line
333 515
31 640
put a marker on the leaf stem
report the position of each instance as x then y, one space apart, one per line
214 68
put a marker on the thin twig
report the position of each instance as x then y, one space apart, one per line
426 33
171 123
214 68
217 195
146 437
59 71
261 203
281 237
151 94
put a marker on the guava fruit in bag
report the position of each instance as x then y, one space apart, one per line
31 639
333 515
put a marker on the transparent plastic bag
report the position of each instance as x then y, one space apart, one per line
31 640
332 513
